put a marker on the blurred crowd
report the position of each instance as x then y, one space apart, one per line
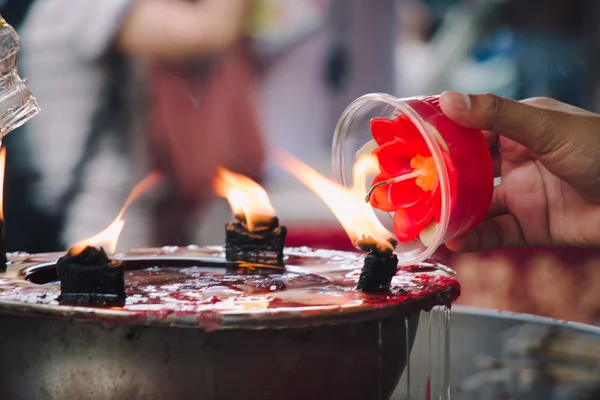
130 86
518 49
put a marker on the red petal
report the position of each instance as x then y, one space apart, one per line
406 193
383 130
379 198
408 131
422 212
394 157
404 227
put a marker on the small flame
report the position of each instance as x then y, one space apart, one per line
109 237
2 172
247 198
348 204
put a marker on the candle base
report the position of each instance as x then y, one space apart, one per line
378 270
90 278
263 246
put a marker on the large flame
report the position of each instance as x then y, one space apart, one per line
2 172
109 237
348 204
246 197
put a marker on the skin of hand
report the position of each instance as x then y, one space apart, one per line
179 30
547 154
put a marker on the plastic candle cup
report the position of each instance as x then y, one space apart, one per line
435 178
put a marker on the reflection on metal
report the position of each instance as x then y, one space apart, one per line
498 355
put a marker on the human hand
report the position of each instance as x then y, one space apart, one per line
547 154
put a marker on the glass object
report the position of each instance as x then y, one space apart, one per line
436 177
17 104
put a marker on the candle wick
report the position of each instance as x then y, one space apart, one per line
414 174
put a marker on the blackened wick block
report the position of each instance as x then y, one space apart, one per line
90 278
379 268
264 245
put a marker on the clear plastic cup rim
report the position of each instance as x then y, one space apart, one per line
435 144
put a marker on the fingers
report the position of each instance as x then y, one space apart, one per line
499 206
553 104
496 161
493 143
491 138
539 129
498 232
499 229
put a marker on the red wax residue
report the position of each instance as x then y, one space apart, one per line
314 282
419 291
195 286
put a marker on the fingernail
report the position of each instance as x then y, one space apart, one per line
455 100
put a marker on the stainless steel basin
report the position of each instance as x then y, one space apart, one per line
346 350
49 358
497 355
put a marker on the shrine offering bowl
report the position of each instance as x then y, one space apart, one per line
195 325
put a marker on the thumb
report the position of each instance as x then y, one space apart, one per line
538 129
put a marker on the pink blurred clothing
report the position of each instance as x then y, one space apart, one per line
202 116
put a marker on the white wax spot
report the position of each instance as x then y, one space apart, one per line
366 150
427 235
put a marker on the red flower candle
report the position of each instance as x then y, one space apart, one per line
436 177
408 184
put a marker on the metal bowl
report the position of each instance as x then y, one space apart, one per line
347 349
49 358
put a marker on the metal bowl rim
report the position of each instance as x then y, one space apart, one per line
207 320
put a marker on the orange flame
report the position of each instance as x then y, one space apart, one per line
246 197
356 216
109 237
2 172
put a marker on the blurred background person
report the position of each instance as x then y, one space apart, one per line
128 86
